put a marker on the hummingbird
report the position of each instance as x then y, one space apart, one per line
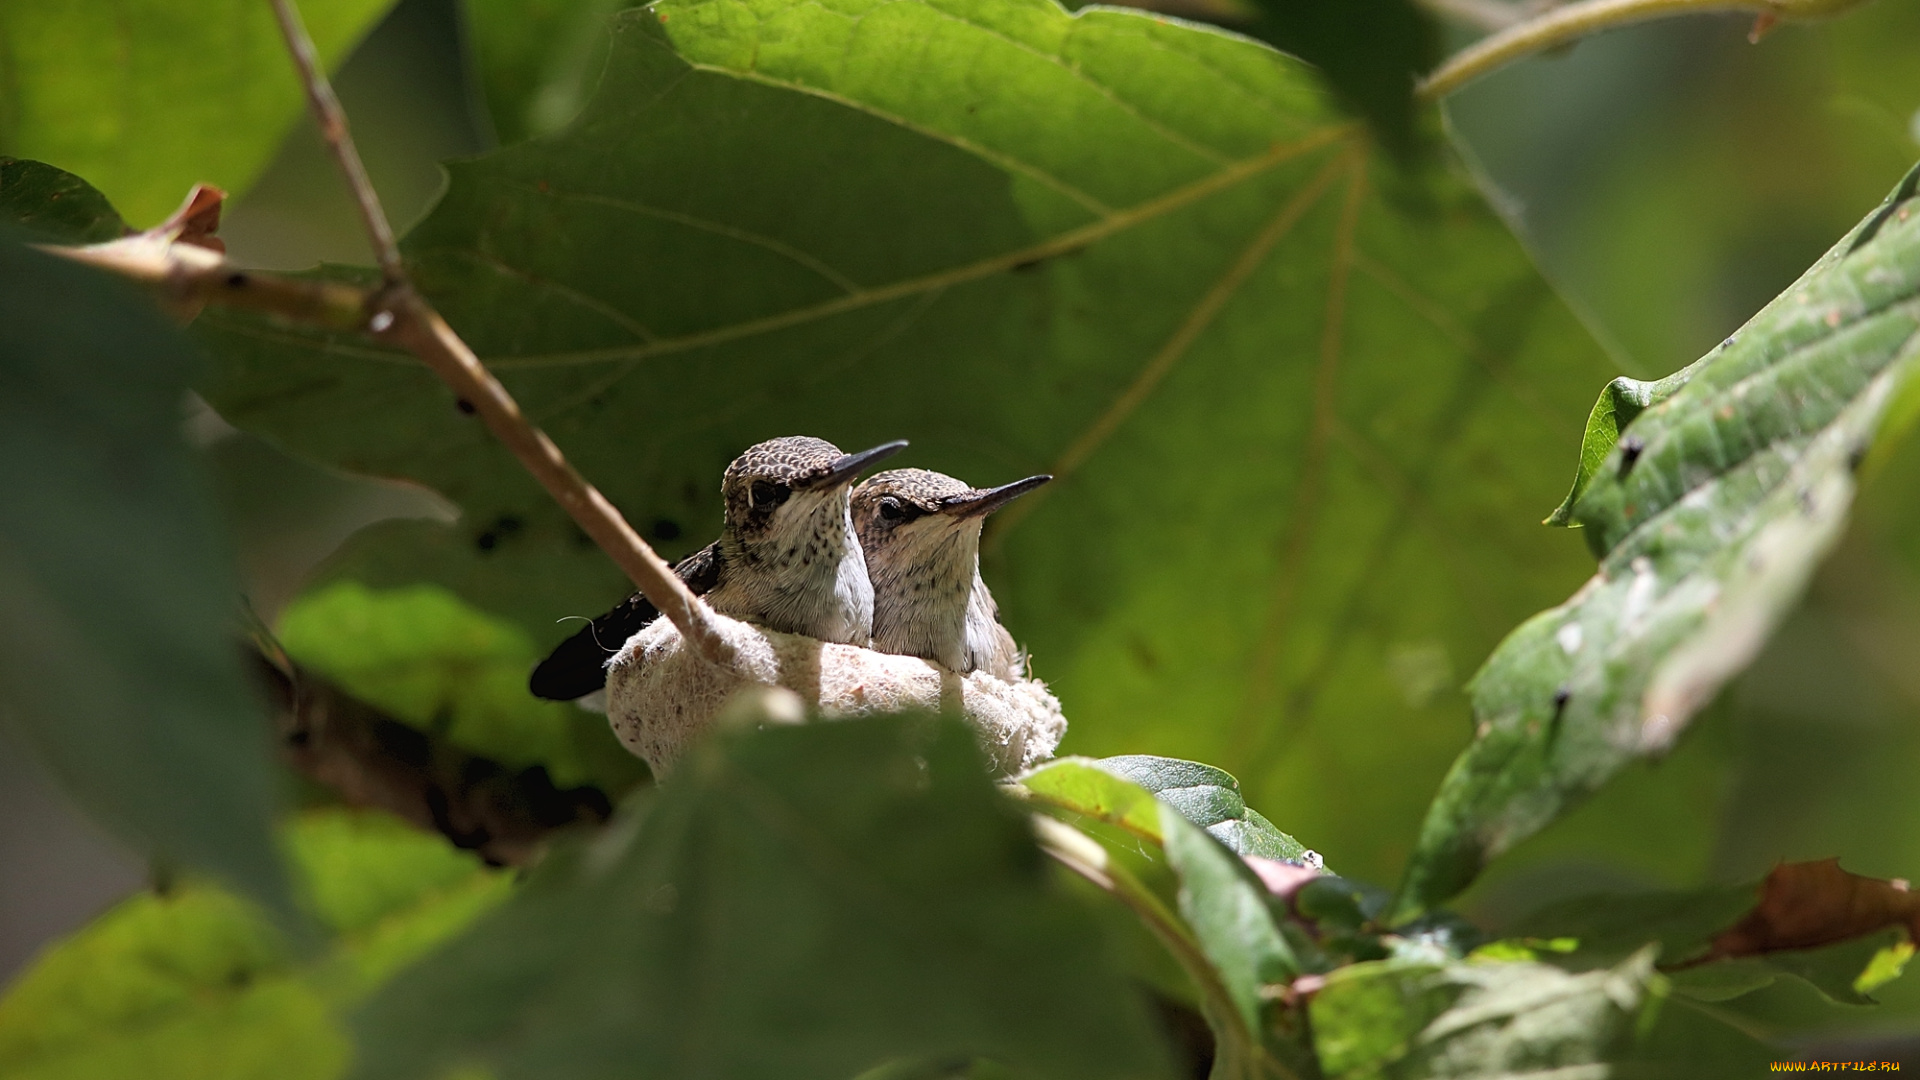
921 532
787 559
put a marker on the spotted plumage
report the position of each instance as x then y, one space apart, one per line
787 559
921 534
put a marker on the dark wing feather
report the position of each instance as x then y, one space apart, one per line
578 666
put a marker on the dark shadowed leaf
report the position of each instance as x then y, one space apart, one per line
1371 50
55 206
150 97
1149 258
1709 514
1840 932
800 902
119 658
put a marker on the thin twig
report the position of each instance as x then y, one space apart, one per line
333 127
1486 15
400 315
189 277
1566 24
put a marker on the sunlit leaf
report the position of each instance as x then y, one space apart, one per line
146 98
197 985
427 659
1709 513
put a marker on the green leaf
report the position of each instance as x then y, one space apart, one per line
1844 973
148 97
1223 903
801 901
426 658
189 986
1226 906
119 657
1612 926
1710 514
1111 789
1619 403
1147 257
1082 786
1210 798
1682 925
196 985
55 206
1372 51
1393 1019
538 59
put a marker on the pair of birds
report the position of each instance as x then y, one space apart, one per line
893 564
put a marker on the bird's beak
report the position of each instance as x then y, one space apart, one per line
981 503
849 467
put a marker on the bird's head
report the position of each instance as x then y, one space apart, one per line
916 519
782 492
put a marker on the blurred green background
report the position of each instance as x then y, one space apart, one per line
1668 179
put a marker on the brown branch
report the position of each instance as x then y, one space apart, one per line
332 120
1562 26
398 314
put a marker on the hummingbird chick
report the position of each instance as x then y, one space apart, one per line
921 532
787 559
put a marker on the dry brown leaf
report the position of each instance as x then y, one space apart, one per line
1804 905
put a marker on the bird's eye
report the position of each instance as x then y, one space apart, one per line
891 509
765 495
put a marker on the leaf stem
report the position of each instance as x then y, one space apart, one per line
1566 24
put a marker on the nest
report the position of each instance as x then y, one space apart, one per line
662 695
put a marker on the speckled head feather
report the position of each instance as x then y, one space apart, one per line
789 558
888 499
762 479
920 532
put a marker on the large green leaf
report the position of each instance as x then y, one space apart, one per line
118 608
801 902
1303 407
146 98
1710 513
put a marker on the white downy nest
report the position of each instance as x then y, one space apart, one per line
662 695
